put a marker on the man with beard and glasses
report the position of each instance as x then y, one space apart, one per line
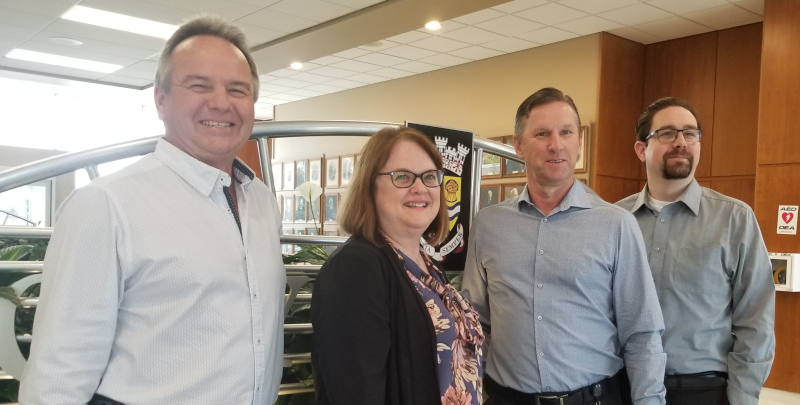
709 264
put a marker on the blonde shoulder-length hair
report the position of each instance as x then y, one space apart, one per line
358 214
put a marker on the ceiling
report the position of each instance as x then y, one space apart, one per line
346 44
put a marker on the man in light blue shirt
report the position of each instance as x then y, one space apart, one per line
560 279
709 264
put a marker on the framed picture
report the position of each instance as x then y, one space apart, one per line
315 171
288 176
288 208
512 190
314 211
490 166
348 167
299 208
582 165
277 176
286 249
331 205
332 172
510 167
490 195
301 167
311 231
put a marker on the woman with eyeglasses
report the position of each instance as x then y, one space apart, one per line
388 327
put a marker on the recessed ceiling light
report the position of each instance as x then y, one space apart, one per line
65 41
296 65
65 61
433 25
120 22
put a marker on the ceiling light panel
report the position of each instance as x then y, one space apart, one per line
58 60
120 22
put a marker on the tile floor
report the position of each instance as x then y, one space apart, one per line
771 396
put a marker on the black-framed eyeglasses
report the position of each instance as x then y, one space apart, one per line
691 135
405 179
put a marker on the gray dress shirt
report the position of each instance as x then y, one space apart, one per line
714 282
564 295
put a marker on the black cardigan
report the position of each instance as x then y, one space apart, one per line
374 341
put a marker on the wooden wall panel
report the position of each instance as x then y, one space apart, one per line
619 104
780 84
616 188
249 155
736 101
740 188
669 74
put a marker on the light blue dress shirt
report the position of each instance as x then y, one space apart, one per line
566 296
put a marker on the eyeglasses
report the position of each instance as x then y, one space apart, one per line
691 135
405 179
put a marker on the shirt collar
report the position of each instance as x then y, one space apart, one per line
690 197
576 197
198 174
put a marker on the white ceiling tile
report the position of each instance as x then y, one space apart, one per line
551 14
274 20
410 36
439 44
283 72
723 17
76 52
273 88
145 65
345 84
304 93
307 66
509 45
409 52
41 7
257 3
672 27
327 60
287 97
379 45
258 35
518 5
297 84
83 32
136 73
390 73
446 26
635 35
639 13
229 10
24 19
355 66
417 67
17 32
316 10
332 72
510 25
273 101
126 80
444 60
686 6
49 69
381 59
356 4
755 6
479 16
596 7
92 45
351 53
472 35
311 77
589 25
548 35
475 53
367 78
324 88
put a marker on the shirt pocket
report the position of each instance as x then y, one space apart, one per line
700 270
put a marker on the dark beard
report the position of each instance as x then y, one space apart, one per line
678 171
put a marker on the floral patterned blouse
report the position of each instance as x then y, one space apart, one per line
458 334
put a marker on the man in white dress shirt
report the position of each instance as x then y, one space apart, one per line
163 283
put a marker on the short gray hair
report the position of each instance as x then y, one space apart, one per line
204 25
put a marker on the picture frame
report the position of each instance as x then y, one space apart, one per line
348 164
288 208
331 207
491 166
332 172
315 171
288 176
510 167
511 190
300 209
490 195
285 248
582 165
301 172
277 176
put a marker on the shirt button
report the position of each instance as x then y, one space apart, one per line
539 285
539 317
259 341
662 220
541 354
547 388
545 220
658 249
541 252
